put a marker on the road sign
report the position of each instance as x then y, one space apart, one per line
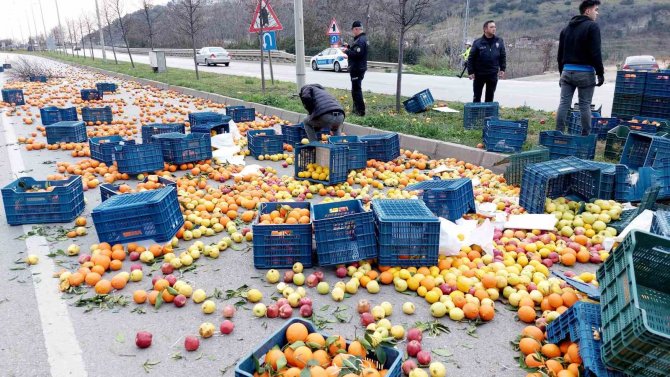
266 17
269 41
333 29
334 40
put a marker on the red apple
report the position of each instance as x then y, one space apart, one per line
414 334
341 272
306 311
143 339
312 281
408 366
179 301
167 268
272 311
83 258
288 276
191 343
226 327
305 301
286 311
423 357
413 348
133 256
367 318
229 311
171 279
281 302
363 306
136 266
319 275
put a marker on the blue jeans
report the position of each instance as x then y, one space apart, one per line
585 82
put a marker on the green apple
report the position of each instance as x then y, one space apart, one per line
323 288
408 308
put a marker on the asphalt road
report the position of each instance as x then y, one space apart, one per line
542 93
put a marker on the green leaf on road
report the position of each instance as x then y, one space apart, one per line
120 338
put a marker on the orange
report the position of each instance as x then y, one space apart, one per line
156 250
554 366
573 352
566 373
140 296
489 281
317 371
98 269
316 339
555 300
161 284
583 256
533 332
486 312
551 350
92 278
533 361
529 345
248 216
568 259
152 297
471 311
76 279
526 314
103 287
574 369
370 372
357 349
296 332
321 358
272 357
338 360
101 260
526 301
119 254
339 344
119 282
569 298
291 372
302 356
115 265
386 277
333 371
167 297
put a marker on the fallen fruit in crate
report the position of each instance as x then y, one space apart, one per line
315 171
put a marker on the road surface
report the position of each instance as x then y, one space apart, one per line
542 93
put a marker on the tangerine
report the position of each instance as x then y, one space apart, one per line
529 345
103 287
296 332
527 314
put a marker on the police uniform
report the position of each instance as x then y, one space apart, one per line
357 54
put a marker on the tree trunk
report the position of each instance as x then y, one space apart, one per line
401 53
195 62
90 43
111 42
83 47
125 40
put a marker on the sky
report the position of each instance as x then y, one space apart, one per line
16 16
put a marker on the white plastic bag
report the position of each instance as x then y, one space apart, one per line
471 234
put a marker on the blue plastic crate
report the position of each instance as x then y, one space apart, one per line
358 150
7 66
148 130
663 124
655 106
630 82
506 136
630 185
382 147
60 205
230 109
153 215
281 245
247 365
407 231
91 95
138 158
102 148
207 117
293 134
557 178
579 323
661 223
599 125
332 156
97 114
344 232
475 113
626 106
181 149
449 199
14 96
241 113
38 78
106 87
590 290
52 114
66 132
108 190
211 129
262 142
419 102
607 179
561 145
642 149
647 128
658 84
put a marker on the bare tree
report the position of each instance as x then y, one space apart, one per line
106 11
118 8
147 7
81 35
188 17
72 32
406 14
90 29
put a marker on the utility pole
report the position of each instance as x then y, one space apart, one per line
465 22
102 36
299 44
60 28
35 25
43 24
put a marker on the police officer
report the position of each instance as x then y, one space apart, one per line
358 63
325 113
487 62
464 56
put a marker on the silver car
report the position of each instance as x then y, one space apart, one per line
212 56
640 63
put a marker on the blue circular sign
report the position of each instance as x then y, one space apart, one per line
334 39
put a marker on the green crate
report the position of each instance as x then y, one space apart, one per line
614 142
635 306
518 161
648 202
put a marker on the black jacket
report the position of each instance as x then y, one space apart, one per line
487 56
317 101
580 44
358 53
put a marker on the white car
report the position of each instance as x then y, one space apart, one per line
330 58
640 63
212 56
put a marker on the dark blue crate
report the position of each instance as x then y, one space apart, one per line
419 102
630 186
60 205
558 178
663 124
642 149
97 114
475 113
38 78
293 134
102 148
590 290
7 66
574 121
607 179
579 323
262 142
91 95
647 128
211 129
407 231
506 136
66 132
241 113
148 130
344 232
181 149
358 150
658 84
247 365
138 158
281 245
626 106
449 199
655 106
148 215
230 109
52 114
332 155
382 147
601 126
108 190
106 87
13 96
207 117
662 166
661 223
630 82
561 145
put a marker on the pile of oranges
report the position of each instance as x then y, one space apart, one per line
548 359
286 215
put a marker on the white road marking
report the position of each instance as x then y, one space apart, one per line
63 351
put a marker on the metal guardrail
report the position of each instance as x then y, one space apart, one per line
243 55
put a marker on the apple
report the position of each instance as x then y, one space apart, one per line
297 267
259 310
206 329
134 266
133 256
167 268
305 301
288 276
272 311
319 275
323 288
367 318
171 279
437 369
312 280
408 308
191 343
179 301
306 311
414 334
272 276
143 339
226 327
228 311
413 348
363 306
408 366
281 302
136 275
155 279
423 357
285 311
341 272
299 279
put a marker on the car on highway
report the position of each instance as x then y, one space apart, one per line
212 56
640 63
330 58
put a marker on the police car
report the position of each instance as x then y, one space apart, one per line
330 58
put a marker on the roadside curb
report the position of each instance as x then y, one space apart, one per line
435 148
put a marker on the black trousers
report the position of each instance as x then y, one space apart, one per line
357 92
490 80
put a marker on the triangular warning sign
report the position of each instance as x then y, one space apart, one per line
333 29
266 17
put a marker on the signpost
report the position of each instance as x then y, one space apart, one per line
333 33
269 40
264 20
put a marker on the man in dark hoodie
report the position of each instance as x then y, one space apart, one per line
358 64
487 61
579 63
324 111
